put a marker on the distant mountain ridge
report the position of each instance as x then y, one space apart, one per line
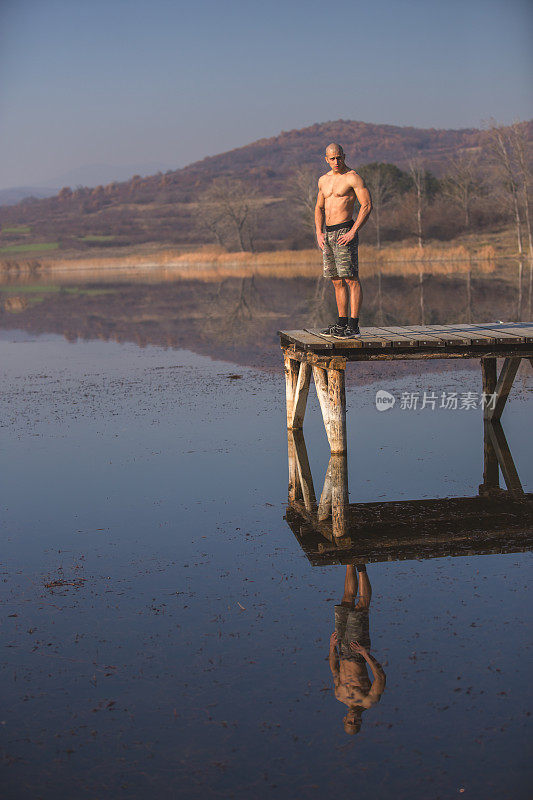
267 161
164 207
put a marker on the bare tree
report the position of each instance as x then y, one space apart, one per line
522 149
382 188
461 183
229 209
302 190
417 174
507 172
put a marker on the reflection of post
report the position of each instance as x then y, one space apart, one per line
505 459
324 507
294 482
503 387
304 472
491 473
338 468
300 478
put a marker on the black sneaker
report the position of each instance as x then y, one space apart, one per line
351 330
348 332
333 330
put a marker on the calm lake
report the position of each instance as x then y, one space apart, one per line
165 631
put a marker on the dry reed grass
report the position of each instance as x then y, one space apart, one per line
212 263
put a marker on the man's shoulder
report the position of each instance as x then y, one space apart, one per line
354 178
325 175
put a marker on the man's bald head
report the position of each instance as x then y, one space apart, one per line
334 149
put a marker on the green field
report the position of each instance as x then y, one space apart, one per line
17 229
34 247
50 288
94 237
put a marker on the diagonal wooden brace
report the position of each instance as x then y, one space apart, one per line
297 379
502 388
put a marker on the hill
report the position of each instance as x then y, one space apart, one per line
163 208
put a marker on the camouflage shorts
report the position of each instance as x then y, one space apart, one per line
340 260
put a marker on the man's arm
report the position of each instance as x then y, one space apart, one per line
363 195
333 655
320 215
378 684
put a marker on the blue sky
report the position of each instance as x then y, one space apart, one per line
161 81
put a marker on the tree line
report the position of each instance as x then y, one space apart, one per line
480 185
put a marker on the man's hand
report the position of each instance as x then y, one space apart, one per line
346 238
333 640
321 240
358 648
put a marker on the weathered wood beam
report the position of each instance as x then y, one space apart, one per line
295 489
300 395
324 506
339 494
502 388
337 410
291 379
491 472
505 459
304 472
320 377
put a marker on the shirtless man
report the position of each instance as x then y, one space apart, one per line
337 192
348 651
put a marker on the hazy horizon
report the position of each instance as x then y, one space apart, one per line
129 82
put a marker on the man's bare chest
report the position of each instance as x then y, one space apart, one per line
337 187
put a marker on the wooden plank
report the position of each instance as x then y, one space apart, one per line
468 333
361 341
444 336
500 334
333 340
520 329
306 340
300 395
367 338
503 387
401 336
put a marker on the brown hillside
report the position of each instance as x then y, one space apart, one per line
162 208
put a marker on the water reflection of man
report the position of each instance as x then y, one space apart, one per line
349 647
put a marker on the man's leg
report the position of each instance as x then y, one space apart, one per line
350 585
365 589
341 296
356 296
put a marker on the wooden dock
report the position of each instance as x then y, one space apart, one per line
310 353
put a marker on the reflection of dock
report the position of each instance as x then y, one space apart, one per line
308 353
332 530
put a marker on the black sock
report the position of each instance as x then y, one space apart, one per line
354 322
343 321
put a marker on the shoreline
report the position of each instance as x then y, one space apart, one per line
212 262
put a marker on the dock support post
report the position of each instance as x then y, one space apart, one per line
339 494
297 379
337 411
